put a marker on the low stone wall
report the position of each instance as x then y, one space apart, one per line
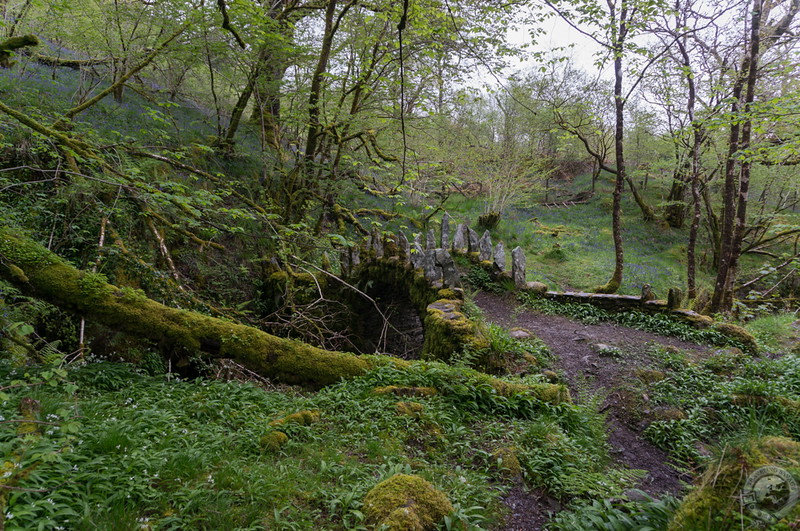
620 303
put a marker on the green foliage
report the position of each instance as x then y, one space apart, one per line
121 448
657 323
480 278
618 515
724 397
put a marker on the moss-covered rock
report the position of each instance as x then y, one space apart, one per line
304 418
507 462
719 501
404 391
449 331
406 503
739 334
273 441
650 376
409 409
538 288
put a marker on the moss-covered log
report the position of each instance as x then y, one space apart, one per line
45 275
9 46
42 274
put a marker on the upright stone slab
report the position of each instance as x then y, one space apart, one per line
432 271
473 241
355 257
377 243
403 245
417 254
344 260
430 241
446 231
518 267
450 276
485 247
460 240
389 245
500 256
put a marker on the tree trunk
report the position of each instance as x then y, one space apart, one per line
735 200
675 212
619 137
648 214
44 275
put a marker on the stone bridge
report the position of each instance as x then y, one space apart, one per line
428 274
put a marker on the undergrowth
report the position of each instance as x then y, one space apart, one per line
728 395
656 323
114 448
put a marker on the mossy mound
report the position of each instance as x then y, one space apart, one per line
739 334
720 499
507 462
303 418
405 503
273 441
404 391
409 409
650 376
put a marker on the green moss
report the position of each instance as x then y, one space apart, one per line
17 273
538 288
405 391
739 334
273 441
507 462
409 409
716 502
448 293
405 502
303 418
650 376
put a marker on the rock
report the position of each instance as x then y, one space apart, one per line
446 231
417 255
647 293
432 271
355 256
430 241
273 441
500 257
674 298
403 245
377 242
485 247
551 376
390 245
536 287
636 495
507 462
473 241
405 503
520 333
518 267
745 338
460 241
450 276
344 261
409 409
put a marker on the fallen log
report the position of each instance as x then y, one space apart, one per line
44 275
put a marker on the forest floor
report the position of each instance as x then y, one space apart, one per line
579 360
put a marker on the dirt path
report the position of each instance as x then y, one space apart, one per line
583 369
